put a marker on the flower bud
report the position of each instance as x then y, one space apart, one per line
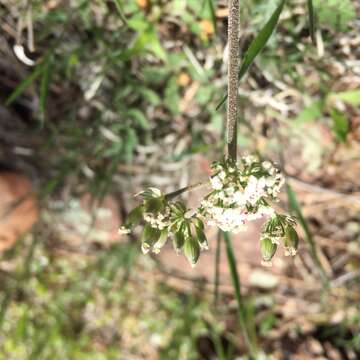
149 237
268 249
192 250
291 241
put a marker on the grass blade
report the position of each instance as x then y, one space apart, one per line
217 268
243 318
258 44
44 85
311 20
24 85
296 210
119 8
340 124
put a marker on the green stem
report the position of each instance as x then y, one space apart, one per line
217 268
250 342
189 188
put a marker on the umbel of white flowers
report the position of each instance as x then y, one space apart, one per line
240 192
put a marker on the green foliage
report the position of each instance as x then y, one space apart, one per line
335 14
311 20
258 43
340 124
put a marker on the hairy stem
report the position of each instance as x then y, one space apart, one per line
233 64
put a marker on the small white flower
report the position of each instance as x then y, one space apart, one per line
266 165
216 183
222 175
290 251
123 230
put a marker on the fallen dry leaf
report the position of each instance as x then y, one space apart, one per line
18 207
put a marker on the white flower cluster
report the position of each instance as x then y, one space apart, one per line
158 220
240 193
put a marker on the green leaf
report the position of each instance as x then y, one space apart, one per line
351 97
258 44
24 84
340 124
310 113
260 41
44 85
311 20
296 210
335 14
139 117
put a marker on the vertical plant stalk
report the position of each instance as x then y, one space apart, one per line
233 65
231 139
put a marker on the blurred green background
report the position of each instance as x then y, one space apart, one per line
99 99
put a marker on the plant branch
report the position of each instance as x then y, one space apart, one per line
232 111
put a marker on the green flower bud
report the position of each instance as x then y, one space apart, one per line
268 249
149 237
291 241
192 251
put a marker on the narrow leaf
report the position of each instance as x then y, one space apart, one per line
340 124
258 44
241 305
296 210
44 85
311 20
24 85
310 113
351 97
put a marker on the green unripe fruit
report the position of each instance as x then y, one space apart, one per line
179 239
192 250
268 249
149 237
291 241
